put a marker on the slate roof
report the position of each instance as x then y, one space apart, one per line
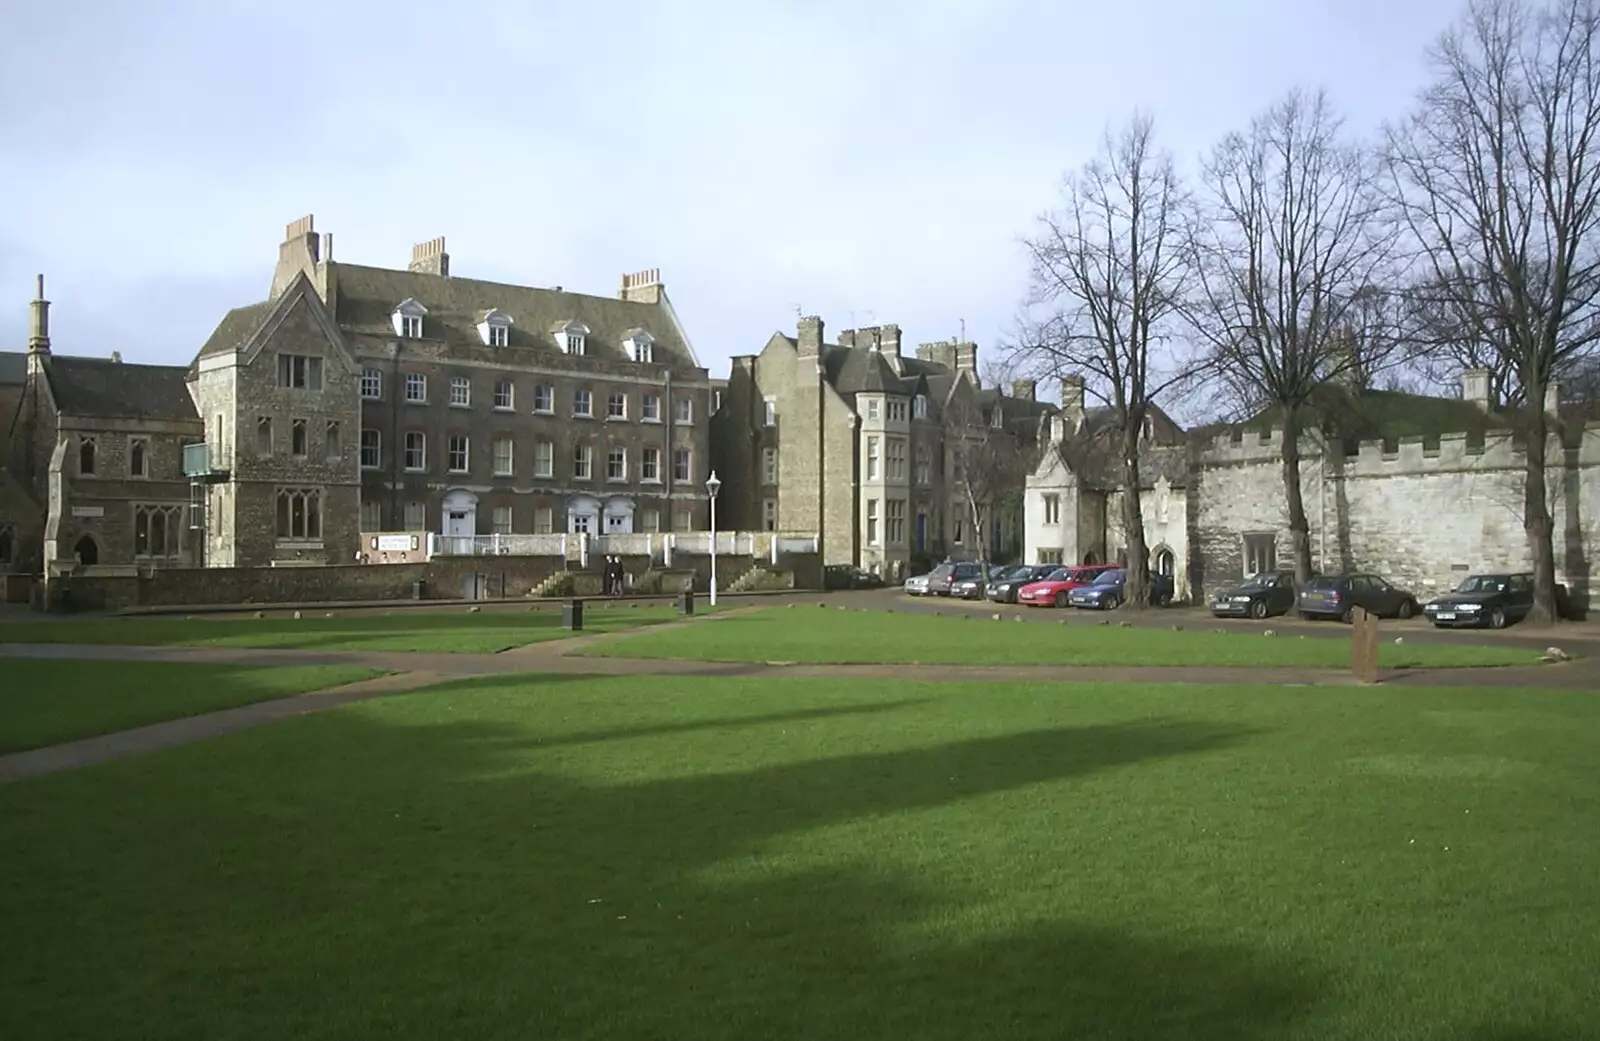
367 296
105 389
1091 453
236 328
13 368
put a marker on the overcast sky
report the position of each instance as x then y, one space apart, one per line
867 161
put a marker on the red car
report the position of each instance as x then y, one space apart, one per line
1052 591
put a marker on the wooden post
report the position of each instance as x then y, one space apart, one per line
1364 645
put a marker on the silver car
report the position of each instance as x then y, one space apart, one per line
916 585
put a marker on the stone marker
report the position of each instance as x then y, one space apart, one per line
1363 645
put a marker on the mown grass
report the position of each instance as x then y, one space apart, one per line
841 636
49 702
786 858
458 630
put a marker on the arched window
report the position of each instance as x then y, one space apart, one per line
87 550
86 459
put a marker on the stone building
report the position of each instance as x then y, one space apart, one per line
1419 489
361 398
857 441
93 475
1074 499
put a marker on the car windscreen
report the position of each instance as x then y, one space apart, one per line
1109 578
1325 583
1263 581
1483 584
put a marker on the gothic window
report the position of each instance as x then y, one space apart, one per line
86 456
157 532
138 457
300 513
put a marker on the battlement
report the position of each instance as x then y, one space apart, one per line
1499 450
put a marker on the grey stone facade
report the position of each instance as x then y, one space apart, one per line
1422 509
853 440
465 407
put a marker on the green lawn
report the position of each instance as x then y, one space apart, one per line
725 859
833 635
48 702
456 630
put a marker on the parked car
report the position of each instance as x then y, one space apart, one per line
1483 600
1053 589
916 585
1337 596
943 579
1259 596
1108 591
973 586
1003 588
847 576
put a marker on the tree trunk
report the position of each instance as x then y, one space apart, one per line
1136 590
1536 521
1294 498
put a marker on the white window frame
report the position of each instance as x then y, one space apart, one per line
421 452
507 401
501 518
683 410
504 463
771 417
451 450
582 403
650 464
460 391
371 384
544 459
583 462
617 406
769 466
416 388
650 408
377 449
547 393
616 463
686 471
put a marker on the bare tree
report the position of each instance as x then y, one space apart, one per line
1498 176
1109 272
989 461
1293 291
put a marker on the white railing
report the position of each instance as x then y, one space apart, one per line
501 545
579 547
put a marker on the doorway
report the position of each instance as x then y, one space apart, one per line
87 550
460 514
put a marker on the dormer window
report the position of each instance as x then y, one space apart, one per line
571 336
494 328
407 319
640 346
919 407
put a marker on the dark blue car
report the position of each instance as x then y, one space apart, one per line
1106 593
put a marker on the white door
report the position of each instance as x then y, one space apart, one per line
461 522
619 524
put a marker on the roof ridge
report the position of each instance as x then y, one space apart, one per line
520 287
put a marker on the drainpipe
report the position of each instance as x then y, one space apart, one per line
395 447
667 413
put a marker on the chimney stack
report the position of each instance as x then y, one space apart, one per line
299 252
1072 398
891 339
429 258
642 287
1475 388
1024 390
39 324
1552 398
810 336
967 360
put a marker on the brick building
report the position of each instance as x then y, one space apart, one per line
858 442
361 398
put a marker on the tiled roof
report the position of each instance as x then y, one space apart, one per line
1092 453
367 297
105 389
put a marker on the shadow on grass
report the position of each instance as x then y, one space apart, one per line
344 876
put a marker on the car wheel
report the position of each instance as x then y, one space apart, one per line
1349 615
1111 603
1061 599
1407 609
1258 609
1497 618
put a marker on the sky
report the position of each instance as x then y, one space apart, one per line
871 161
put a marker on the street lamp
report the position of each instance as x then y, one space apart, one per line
712 487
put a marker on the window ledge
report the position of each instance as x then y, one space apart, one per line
543 412
650 480
616 419
457 404
616 480
583 415
503 408
647 419
299 543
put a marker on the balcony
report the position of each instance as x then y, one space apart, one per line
197 464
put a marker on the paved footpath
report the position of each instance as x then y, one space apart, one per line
408 671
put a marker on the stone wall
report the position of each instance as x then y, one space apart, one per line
444 578
1422 516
